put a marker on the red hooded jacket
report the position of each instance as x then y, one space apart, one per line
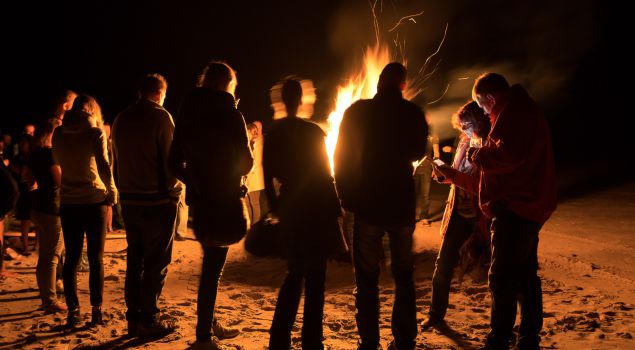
516 162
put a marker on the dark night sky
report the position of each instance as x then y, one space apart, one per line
558 50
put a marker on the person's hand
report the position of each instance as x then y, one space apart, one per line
469 154
272 218
111 199
443 171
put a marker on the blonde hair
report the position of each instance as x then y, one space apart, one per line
88 104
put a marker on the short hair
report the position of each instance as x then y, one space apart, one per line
292 92
60 98
489 83
217 74
152 84
392 76
472 113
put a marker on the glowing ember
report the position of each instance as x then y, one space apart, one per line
361 85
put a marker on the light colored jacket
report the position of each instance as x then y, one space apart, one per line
82 153
255 178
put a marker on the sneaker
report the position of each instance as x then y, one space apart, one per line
72 319
223 332
96 317
155 329
431 322
212 344
54 307
59 286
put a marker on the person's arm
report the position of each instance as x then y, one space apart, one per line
164 142
244 158
347 158
467 182
176 157
269 170
103 166
56 173
418 135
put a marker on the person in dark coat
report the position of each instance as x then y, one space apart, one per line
210 154
379 140
142 135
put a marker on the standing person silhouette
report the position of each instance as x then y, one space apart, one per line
518 192
141 138
308 208
379 140
87 187
210 154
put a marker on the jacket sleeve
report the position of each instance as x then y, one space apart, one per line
269 170
467 182
103 166
176 157
164 142
418 135
244 158
347 158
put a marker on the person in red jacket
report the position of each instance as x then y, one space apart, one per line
517 191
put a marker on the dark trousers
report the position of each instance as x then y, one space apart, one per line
212 269
311 272
513 278
367 256
78 219
458 231
150 234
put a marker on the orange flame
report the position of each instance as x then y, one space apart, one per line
361 85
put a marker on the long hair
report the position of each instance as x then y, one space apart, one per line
89 105
217 75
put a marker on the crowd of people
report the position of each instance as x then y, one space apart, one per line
67 174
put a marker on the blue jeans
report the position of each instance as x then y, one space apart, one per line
367 256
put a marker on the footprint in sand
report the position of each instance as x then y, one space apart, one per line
480 326
474 290
112 278
334 326
255 295
623 306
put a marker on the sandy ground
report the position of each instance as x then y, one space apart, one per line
587 257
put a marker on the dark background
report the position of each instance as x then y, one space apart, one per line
561 51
